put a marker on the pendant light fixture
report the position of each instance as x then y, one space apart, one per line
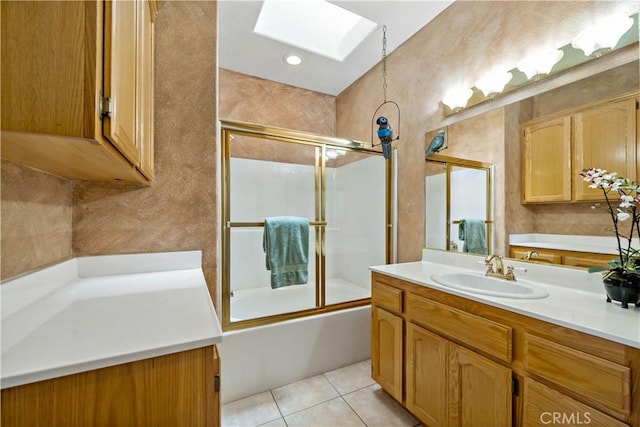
385 130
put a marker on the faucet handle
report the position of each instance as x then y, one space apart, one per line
510 275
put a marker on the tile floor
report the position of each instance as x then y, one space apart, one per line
343 397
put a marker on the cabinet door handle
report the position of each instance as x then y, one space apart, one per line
216 383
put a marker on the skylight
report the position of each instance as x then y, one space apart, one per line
314 25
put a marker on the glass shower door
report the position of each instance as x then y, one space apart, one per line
268 178
355 235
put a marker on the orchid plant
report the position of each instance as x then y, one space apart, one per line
627 196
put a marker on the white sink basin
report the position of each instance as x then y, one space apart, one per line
481 284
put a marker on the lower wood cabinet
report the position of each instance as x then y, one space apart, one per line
479 390
427 375
456 362
386 351
179 389
448 385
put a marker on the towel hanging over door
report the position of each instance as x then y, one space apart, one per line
473 233
286 245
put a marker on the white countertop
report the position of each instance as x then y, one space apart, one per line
593 244
92 312
576 298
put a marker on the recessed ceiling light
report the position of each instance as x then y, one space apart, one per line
314 25
292 59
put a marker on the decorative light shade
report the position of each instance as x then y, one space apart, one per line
457 99
603 36
492 84
540 64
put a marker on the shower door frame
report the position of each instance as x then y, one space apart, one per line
321 143
450 163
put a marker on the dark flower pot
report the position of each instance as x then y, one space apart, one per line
625 290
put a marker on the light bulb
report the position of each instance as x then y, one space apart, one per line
493 83
457 99
540 64
603 35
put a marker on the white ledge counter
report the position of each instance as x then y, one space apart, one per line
576 300
92 312
591 244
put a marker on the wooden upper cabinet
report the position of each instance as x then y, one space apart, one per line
557 148
547 161
120 73
604 137
71 101
144 86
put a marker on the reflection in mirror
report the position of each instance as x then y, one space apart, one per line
458 210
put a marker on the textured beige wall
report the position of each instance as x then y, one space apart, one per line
463 43
251 99
179 211
36 219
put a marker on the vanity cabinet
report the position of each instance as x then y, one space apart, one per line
555 149
172 390
557 256
77 88
464 363
445 382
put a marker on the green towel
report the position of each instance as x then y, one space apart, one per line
286 245
473 232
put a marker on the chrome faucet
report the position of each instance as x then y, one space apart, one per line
498 270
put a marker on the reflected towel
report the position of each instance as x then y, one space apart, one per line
473 232
286 245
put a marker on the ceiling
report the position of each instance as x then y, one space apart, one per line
243 51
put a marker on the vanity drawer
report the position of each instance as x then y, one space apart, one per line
470 330
592 377
541 403
387 296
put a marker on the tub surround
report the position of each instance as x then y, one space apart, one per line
590 244
576 298
93 312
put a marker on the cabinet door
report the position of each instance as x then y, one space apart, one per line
547 161
386 351
479 390
120 60
604 137
144 87
426 375
545 406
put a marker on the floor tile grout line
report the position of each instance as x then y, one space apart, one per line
354 411
277 406
330 383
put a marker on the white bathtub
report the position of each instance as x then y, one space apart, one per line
261 358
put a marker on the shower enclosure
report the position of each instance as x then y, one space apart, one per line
341 186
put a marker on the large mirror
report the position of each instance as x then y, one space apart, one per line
494 137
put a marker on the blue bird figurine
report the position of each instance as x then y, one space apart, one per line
436 144
385 133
